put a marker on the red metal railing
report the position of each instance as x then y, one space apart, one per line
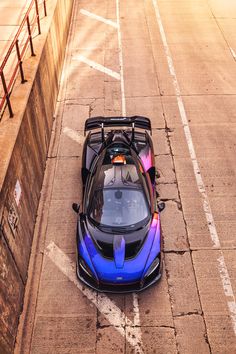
30 25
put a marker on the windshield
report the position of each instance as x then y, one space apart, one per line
118 207
117 196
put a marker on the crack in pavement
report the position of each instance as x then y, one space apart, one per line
190 313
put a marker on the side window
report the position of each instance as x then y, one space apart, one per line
88 191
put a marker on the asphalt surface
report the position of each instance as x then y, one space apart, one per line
175 62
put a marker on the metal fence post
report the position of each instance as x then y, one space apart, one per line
37 14
30 37
20 62
44 6
6 94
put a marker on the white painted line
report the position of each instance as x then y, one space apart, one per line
106 307
123 103
99 18
74 135
96 66
136 310
233 53
226 283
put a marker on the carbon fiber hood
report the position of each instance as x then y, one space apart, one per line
111 244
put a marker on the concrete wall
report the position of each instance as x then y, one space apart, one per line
24 142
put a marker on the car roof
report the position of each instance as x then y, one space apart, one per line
117 168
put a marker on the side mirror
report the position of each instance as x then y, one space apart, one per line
76 207
161 206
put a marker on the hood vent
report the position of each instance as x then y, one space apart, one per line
132 249
111 250
105 248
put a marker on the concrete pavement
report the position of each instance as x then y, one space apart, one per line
175 60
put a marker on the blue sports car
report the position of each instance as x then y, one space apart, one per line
119 232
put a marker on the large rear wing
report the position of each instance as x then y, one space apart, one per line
103 122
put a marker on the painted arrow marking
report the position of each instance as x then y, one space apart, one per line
106 306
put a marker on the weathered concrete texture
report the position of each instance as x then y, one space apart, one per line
160 142
57 303
120 301
178 143
168 191
182 284
24 142
66 330
67 179
173 228
165 168
157 340
109 341
191 335
64 239
154 305
214 305
11 294
148 107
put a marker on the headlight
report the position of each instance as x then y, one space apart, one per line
152 267
85 267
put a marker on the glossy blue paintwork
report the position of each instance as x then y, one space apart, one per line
156 246
133 269
84 253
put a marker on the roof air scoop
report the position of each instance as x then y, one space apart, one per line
119 250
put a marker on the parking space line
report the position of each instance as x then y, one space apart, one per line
97 66
74 135
106 306
98 18
136 310
233 53
224 275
